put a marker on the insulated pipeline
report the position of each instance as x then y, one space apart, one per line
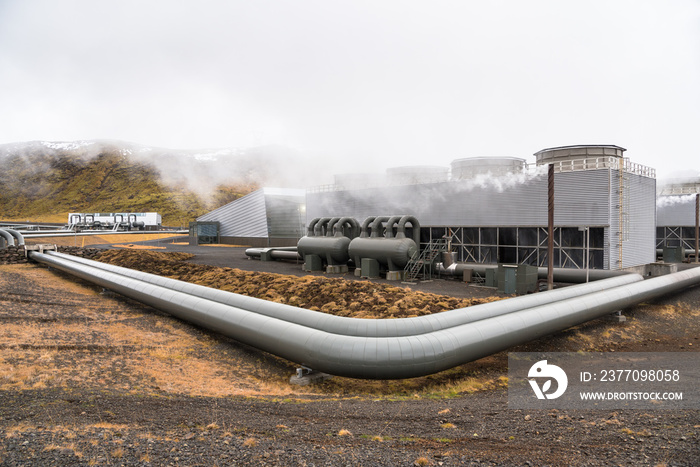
70 233
356 326
289 253
560 274
381 357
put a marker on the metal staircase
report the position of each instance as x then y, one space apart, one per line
421 265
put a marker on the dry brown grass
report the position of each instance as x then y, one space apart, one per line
250 442
95 341
131 246
357 299
101 341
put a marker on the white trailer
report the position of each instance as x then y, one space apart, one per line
115 220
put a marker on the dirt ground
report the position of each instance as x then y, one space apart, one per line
88 377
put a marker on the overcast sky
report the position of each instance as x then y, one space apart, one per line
370 84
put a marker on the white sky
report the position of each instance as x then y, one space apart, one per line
368 83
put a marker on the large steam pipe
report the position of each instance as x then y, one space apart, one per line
686 251
381 357
47 231
356 326
289 253
567 275
71 233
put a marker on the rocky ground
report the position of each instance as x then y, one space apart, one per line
92 378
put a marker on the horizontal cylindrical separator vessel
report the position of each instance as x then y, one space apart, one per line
378 242
329 238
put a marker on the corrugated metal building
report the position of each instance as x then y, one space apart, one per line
266 217
675 211
494 210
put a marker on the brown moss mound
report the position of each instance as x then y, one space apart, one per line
358 299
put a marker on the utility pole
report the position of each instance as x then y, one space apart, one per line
697 226
550 228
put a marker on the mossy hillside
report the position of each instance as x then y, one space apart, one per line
47 187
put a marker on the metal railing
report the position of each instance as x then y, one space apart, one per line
422 264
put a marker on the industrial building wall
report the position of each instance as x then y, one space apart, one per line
675 221
244 217
675 210
640 231
266 217
285 216
581 199
481 215
523 245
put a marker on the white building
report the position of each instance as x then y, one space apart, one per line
495 210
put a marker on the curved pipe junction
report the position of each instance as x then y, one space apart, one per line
19 239
320 227
377 226
351 223
416 228
330 229
312 225
364 228
381 357
389 233
9 239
